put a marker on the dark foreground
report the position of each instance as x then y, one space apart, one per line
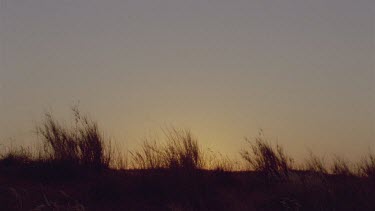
43 187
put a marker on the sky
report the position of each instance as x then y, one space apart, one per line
303 71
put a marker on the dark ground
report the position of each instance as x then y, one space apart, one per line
46 187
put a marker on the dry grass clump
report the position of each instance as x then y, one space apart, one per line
341 167
315 164
150 156
179 151
81 144
14 156
366 167
224 163
119 159
182 150
272 162
219 162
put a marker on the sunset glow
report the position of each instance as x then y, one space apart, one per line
303 71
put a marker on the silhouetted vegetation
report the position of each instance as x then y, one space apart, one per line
341 167
174 173
367 166
81 144
271 162
179 151
15 156
316 164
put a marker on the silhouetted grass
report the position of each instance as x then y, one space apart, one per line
219 162
174 173
82 144
16 156
270 161
315 164
180 150
150 156
341 167
367 166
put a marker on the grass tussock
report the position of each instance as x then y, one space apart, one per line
316 164
180 150
150 156
366 167
119 159
270 161
219 162
82 144
16 156
341 167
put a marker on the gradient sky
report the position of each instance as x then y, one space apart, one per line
303 71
